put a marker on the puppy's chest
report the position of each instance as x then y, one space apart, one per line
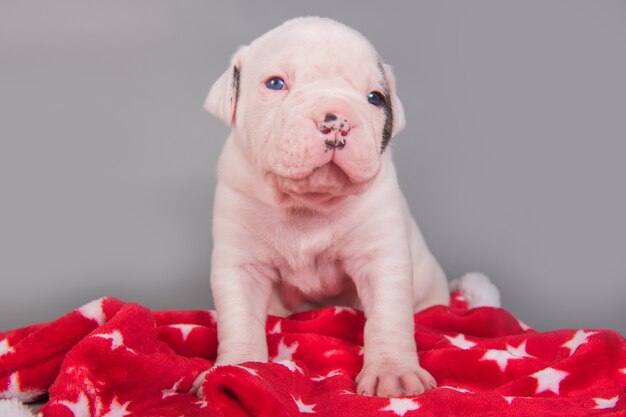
309 260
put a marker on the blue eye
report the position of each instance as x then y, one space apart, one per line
376 98
276 83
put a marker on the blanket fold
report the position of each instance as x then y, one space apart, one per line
109 358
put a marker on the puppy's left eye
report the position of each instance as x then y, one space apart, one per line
376 98
276 83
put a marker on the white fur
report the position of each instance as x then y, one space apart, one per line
477 289
297 225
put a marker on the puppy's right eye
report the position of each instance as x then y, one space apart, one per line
276 83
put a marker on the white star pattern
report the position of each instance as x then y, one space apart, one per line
461 342
509 399
302 407
118 410
202 403
502 357
291 365
401 406
277 328
94 311
604 403
549 379
580 338
171 391
13 388
331 374
249 370
463 390
332 352
116 338
5 347
519 351
285 352
81 373
80 407
185 329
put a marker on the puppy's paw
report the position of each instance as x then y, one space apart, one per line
391 380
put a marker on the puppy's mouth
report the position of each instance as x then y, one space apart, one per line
327 184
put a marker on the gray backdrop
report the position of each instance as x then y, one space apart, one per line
512 159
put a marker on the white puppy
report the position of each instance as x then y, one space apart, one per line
308 210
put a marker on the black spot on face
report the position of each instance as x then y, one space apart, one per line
329 118
388 126
235 85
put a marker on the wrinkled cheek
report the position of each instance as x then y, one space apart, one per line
298 149
360 158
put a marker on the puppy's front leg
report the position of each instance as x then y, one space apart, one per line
241 295
390 363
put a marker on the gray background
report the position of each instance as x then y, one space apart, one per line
512 159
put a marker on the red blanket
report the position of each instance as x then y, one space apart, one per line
115 359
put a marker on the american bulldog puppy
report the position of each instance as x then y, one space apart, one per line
308 211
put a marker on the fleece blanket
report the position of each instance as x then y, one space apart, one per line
115 359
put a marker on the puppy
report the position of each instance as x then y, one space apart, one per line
308 211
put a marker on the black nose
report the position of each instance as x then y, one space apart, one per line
335 129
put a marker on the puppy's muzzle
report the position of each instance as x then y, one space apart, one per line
335 129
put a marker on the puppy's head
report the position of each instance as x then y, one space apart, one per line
313 108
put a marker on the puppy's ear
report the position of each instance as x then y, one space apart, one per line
222 99
394 111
